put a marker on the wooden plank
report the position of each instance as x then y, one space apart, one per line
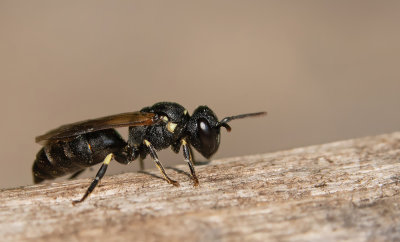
346 190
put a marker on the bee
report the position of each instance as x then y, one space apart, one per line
72 148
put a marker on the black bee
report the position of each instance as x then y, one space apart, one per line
72 148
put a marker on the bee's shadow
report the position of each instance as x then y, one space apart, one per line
150 174
202 163
179 171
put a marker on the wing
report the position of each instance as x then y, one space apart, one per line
91 125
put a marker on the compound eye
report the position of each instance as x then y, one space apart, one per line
207 135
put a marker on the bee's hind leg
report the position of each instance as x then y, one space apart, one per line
96 180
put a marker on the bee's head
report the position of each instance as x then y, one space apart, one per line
204 129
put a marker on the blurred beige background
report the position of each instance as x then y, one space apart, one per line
324 70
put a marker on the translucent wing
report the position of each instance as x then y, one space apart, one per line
91 125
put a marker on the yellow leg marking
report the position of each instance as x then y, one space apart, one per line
189 159
183 142
98 177
158 163
108 159
163 172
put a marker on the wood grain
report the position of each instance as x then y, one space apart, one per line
347 190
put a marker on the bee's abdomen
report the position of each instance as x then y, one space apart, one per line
60 158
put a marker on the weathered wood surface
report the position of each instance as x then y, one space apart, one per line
347 190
